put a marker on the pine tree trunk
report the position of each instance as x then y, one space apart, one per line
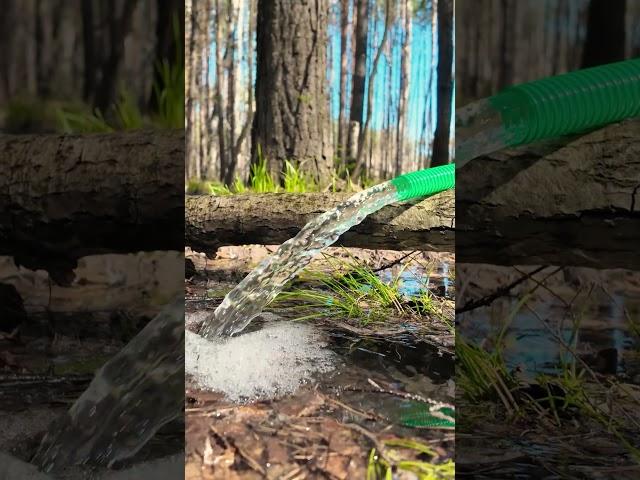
220 107
292 116
405 74
445 83
231 94
344 54
359 72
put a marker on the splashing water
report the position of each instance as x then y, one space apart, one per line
263 284
130 398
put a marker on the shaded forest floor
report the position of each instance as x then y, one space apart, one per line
346 421
548 374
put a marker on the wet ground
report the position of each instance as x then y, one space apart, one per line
557 322
329 425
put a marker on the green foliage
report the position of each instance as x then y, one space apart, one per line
359 294
200 187
296 181
481 374
381 467
261 179
170 92
128 115
72 120
238 186
24 115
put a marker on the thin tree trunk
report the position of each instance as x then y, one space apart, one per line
231 93
89 51
119 29
344 53
363 131
190 32
445 83
359 72
219 108
405 74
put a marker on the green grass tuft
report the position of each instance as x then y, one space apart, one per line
381 467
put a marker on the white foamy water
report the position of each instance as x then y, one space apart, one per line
271 362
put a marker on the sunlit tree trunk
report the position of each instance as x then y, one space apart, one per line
190 32
344 55
231 93
363 131
219 104
405 74
444 83
292 117
359 72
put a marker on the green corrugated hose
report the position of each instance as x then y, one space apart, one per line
424 182
419 415
551 107
570 103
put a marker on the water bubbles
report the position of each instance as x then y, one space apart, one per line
267 363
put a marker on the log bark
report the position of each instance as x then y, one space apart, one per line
63 197
271 219
570 202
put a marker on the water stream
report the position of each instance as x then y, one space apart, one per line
265 282
134 394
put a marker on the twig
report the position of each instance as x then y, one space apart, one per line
500 292
393 263
366 433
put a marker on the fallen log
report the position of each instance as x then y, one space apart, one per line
63 197
270 219
569 202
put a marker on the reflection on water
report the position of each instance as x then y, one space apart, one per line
414 280
589 323
539 349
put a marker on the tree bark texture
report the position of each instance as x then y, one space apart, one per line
574 202
271 219
291 121
441 138
65 197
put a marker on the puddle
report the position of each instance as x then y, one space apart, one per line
530 345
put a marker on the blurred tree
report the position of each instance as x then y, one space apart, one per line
605 42
441 139
359 72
